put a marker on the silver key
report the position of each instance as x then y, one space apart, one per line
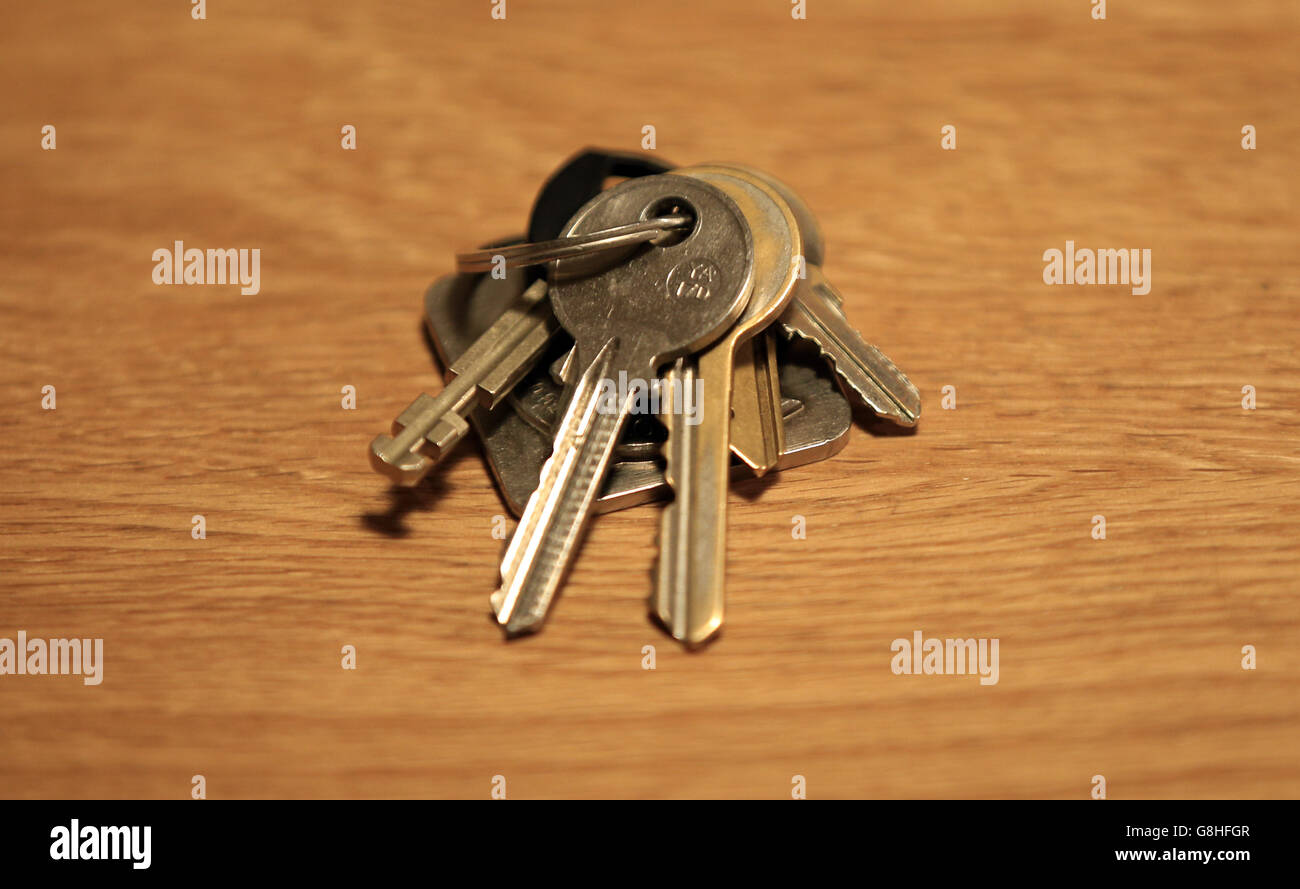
816 314
664 302
430 427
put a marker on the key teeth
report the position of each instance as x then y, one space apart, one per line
901 415
446 433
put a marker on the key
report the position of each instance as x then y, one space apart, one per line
430 427
690 589
756 428
817 315
665 301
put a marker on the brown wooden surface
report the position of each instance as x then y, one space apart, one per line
1118 657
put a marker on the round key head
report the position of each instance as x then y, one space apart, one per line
814 243
663 299
778 242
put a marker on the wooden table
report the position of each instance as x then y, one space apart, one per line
1119 657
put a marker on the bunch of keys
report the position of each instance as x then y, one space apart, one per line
683 334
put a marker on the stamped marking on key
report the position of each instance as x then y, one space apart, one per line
693 278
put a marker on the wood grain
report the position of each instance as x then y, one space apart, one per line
1119 657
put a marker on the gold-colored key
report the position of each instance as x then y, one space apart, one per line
757 432
756 429
689 597
817 314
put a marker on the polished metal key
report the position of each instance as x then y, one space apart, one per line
664 301
814 245
431 426
756 429
817 314
690 589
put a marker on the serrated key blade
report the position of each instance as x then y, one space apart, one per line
871 376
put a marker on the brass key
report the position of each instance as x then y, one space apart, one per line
689 597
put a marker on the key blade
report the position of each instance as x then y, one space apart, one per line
814 315
678 602
757 429
508 349
557 512
422 434
690 592
431 426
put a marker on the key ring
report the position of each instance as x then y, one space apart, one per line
619 237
